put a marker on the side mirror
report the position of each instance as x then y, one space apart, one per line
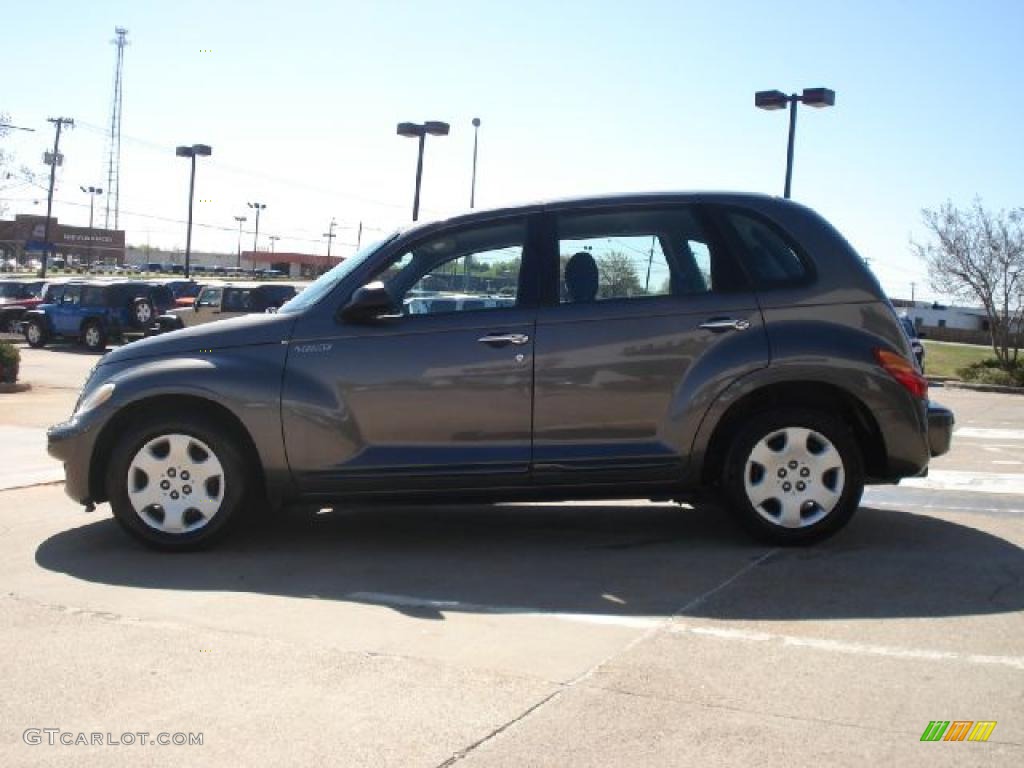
369 303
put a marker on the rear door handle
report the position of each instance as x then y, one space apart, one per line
504 339
725 324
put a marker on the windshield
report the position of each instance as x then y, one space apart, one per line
326 282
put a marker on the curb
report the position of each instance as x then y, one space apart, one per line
18 386
985 387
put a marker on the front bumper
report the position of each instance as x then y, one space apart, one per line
72 443
940 428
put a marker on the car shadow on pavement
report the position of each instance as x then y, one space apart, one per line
616 560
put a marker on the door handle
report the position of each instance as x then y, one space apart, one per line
725 324
504 339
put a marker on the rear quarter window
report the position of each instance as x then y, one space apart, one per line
769 257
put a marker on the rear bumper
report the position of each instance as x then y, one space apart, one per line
940 428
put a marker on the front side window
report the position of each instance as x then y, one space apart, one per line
638 254
72 295
462 271
210 297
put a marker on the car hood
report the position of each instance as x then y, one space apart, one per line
248 330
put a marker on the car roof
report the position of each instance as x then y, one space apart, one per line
752 199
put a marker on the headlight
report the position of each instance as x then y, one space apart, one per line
96 398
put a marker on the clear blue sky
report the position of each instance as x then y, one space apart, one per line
300 100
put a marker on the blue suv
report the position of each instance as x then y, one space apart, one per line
94 311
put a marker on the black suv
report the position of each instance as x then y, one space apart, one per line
93 311
651 346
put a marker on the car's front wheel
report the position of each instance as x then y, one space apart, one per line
793 476
35 334
176 482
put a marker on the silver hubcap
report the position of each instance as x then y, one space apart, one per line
794 477
142 313
176 484
33 333
92 336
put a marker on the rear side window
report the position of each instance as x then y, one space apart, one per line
92 296
770 260
639 254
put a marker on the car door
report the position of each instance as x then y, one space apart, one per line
650 319
205 305
66 314
438 399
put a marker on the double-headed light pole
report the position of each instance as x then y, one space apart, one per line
256 236
812 97
420 131
196 150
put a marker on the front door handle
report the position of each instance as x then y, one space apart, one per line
725 324
504 339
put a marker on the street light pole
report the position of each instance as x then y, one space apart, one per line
196 150
54 160
92 192
812 97
240 220
476 136
420 131
256 236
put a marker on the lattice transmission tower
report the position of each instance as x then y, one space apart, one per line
114 138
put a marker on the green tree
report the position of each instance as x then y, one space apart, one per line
618 276
978 255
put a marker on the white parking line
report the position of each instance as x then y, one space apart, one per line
979 482
840 646
980 433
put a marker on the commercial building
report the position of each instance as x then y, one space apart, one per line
23 239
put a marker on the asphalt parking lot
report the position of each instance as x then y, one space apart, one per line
546 634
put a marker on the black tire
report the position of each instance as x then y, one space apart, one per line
36 334
94 336
223 445
812 521
11 322
142 313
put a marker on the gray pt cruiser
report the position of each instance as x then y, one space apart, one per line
654 346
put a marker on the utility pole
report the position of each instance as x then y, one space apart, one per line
359 237
239 219
913 286
54 160
329 234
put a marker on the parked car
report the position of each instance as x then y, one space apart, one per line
915 339
220 301
93 311
17 296
660 346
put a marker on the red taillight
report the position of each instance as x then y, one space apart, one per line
904 371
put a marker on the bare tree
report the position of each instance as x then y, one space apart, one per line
978 255
11 177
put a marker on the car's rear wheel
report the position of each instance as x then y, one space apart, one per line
94 337
35 334
12 323
793 476
176 483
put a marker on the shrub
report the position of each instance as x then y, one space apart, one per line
991 372
10 360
